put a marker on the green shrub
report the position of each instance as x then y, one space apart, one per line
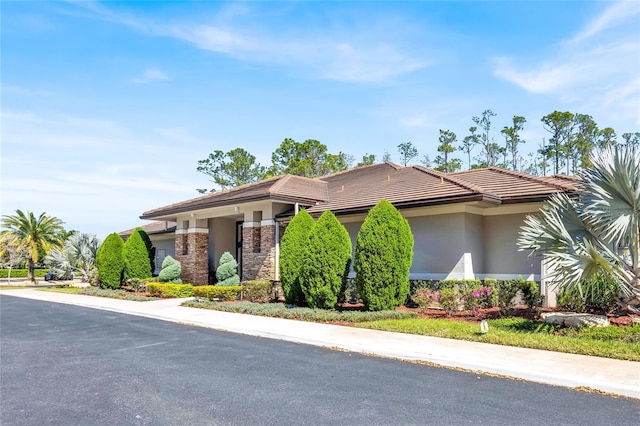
292 256
170 290
171 270
22 273
598 295
136 257
110 262
506 292
213 292
257 290
531 294
450 300
227 272
151 250
327 263
384 253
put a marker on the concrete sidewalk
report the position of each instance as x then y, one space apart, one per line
554 368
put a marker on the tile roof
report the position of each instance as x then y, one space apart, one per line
510 186
286 187
157 227
361 188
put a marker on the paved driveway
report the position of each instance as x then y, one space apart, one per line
63 364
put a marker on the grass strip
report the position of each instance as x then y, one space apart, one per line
609 342
100 292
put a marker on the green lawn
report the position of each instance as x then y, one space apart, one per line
610 342
92 291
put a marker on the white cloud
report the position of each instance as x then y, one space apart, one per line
597 68
345 55
620 11
150 75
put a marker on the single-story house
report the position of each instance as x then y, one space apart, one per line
465 224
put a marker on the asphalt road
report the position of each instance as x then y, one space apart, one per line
67 365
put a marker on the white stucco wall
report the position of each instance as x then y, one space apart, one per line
166 242
501 252
222 237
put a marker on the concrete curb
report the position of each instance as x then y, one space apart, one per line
606 375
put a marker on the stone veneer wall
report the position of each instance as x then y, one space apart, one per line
258 265
195 262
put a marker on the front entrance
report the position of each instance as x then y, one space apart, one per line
239 247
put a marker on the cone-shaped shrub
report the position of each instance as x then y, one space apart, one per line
171 270
292 256
227 272
384 253
151 250
136 257
327 262
109 261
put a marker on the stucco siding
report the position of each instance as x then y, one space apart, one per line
439 243
222 235
164 247
501 252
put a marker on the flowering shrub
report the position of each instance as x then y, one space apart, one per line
475 299
425 299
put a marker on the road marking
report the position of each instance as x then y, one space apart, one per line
141 346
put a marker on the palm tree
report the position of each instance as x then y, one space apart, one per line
32 234
597 233
77 255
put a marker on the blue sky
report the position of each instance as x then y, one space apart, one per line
106 107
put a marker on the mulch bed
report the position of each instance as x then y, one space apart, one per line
491 313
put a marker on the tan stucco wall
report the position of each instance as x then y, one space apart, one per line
166 244
222 237
501 252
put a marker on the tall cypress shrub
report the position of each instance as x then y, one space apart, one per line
383 257
292 256
151 250
327 262
110 262
136 257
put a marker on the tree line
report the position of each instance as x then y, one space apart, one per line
567 149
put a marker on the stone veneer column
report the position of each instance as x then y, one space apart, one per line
194 255
258 250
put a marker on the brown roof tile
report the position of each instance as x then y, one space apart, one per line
361 188
157 227
510 185
285 187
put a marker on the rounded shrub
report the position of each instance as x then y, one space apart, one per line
110 262
383 257
227 272
293 249
171 270
327 262
136 257
151 250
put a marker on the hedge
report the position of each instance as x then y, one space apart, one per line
227 272
22 273
257 290
170 290
212 292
